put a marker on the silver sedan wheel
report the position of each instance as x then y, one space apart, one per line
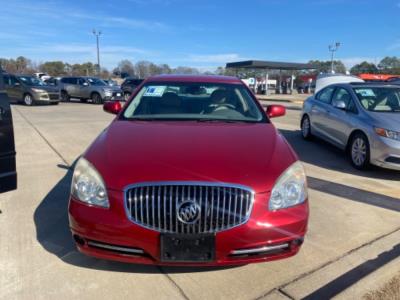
28 100
305 128
359 151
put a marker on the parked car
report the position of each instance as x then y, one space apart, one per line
360 118
323 80
8 174
54 81
85 88
30 90
129 85
204 179
42 76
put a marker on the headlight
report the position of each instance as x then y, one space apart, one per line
394 135
39 91
290 189
88 186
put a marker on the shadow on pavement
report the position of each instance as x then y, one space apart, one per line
322 154
354 194
349 278
52 232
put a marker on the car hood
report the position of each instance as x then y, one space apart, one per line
112 88
386 120
50 89
130 152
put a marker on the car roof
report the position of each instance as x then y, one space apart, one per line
194 78
366 84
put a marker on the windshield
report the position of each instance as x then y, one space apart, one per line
31 81
192 101
379 99
96 81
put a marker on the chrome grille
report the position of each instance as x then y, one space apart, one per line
155 206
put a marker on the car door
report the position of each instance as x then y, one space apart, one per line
71 86
7 87
8 175
319 111
83 88
16 90
340 120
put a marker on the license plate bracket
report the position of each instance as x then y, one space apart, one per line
187 247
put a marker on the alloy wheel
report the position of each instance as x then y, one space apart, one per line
28 100
359 151
306 128
96 98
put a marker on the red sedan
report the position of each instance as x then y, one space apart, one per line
190 172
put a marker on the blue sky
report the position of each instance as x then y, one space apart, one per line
203 34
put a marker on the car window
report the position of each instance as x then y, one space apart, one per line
96 81
342 94
31 81
379 99
81 81
194 101
66 80
13 80
326 95
6 80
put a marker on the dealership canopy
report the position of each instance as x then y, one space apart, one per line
266 66
269 65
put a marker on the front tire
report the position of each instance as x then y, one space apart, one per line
65 97
306 128
359 152
28 100
96 98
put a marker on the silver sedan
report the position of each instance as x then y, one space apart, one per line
361 118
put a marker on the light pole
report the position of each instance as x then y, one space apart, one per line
333 49
97 34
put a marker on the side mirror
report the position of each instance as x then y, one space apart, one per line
339 104
274 111
85 84
17 84
112 107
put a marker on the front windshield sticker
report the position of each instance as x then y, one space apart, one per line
155 91
366 92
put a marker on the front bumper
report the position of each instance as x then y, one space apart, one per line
93 226
114 96
47 97
385 153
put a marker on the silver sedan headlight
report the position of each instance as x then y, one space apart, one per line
390 134
88 185
290 189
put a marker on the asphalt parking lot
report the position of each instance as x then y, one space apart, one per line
352 245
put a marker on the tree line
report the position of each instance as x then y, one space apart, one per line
125 68
143 69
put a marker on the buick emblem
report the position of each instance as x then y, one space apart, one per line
188 212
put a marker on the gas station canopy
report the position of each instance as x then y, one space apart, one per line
272 65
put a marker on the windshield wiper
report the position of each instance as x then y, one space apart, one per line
224 121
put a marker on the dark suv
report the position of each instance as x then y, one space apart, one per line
8 175
129 85
85 88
